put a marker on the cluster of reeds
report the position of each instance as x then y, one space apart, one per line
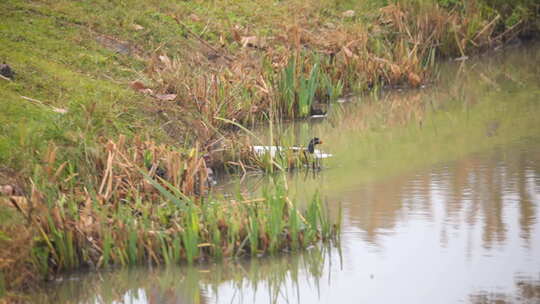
298 91
284 73
143 205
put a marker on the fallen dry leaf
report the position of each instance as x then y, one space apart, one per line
59 110
138 27
18 202
137 85
236 30
194 17
140 87
414 79
348 14
252 41
347 52
7 190
395 70
165 59
330 25
165 97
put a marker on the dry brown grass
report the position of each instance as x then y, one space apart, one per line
119 166
235 77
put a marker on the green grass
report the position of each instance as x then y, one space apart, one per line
61 64
68 233
81 56
55 49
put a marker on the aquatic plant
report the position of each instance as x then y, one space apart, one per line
151 219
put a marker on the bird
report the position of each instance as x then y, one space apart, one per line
311 145
309 151
313 155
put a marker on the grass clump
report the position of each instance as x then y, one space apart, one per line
131 214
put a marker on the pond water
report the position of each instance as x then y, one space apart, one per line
439 190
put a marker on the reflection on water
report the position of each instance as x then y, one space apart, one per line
527 292
482 191
440 191
275 279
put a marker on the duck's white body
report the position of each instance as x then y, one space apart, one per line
262 150
320 154
273 150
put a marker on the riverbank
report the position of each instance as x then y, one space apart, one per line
445 175
102 91
181 73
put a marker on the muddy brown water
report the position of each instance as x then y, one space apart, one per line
440 197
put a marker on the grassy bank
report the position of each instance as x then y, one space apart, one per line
61 229
180 72
118 108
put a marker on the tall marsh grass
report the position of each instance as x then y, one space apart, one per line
312 61
148 218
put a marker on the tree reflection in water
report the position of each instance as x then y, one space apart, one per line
527 292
